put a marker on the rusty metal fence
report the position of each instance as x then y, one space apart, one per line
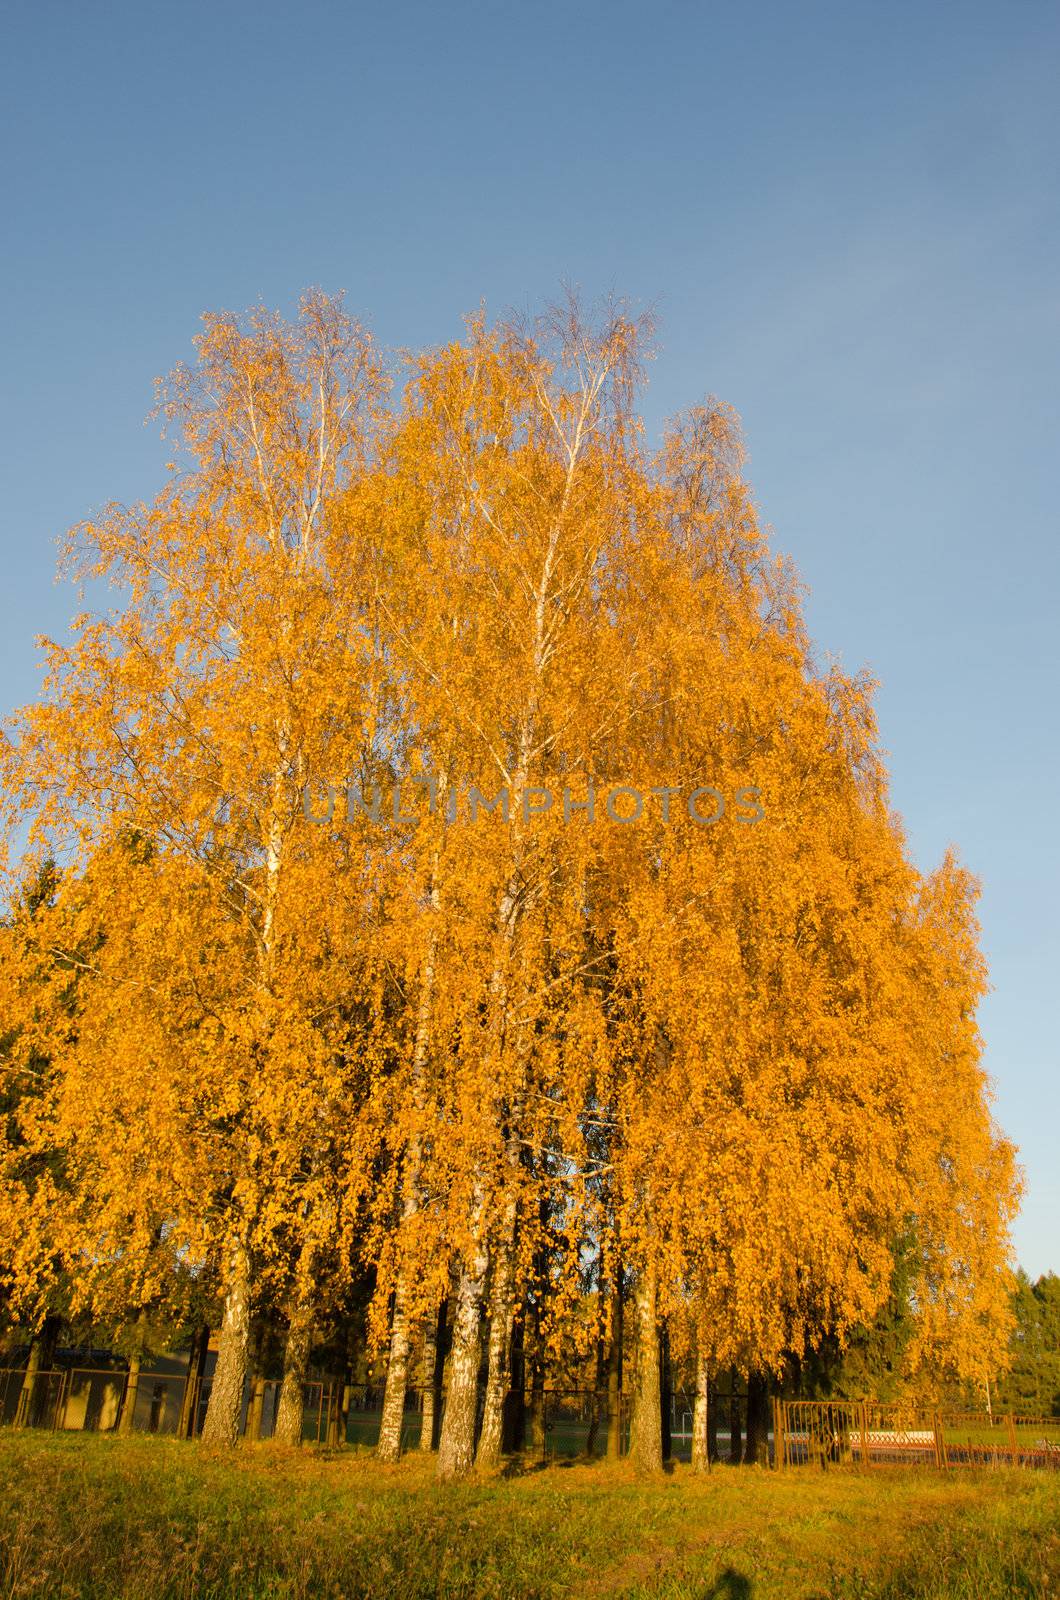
30 1400
804 1433
94 1399
825 1432
99 1399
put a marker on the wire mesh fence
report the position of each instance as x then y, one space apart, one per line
825 1432
28 1398
554 1424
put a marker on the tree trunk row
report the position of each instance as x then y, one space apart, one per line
463 1437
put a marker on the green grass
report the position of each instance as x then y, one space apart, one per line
103 1518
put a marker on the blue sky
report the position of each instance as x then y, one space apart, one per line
845 215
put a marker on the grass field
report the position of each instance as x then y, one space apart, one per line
90 1516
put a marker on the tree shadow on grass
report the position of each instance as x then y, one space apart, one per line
516 1467
520 1466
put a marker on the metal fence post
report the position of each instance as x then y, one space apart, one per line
60 1401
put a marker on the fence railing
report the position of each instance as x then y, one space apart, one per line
570 1422
30 1399
97 1400
825 1432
